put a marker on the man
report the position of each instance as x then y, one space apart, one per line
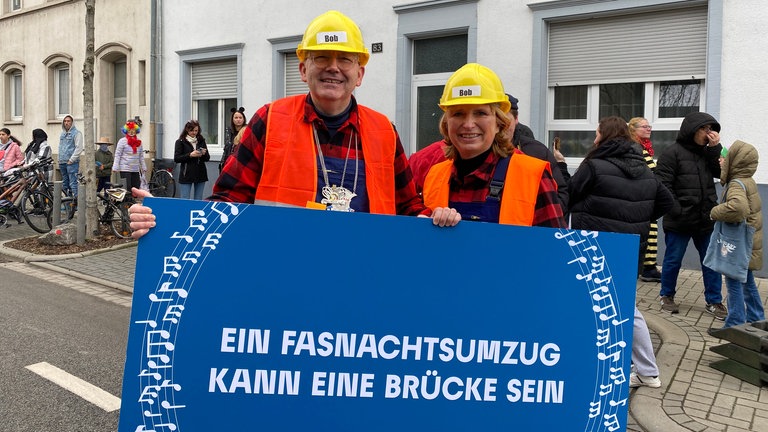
687 169
321 150
70 149
522 138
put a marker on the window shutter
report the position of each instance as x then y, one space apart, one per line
214 80
293 83
641 47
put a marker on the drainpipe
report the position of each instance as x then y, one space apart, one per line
156 78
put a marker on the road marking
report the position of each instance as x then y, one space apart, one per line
84 389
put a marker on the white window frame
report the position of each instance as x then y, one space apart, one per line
222 112
417 81
14 5
16 95
57 70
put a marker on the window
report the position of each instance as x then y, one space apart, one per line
576 110
434 60
293 83
214 92
16 98
120 95
61 85
14 5
439 38
593 72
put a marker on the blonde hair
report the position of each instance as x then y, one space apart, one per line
633 126
502 142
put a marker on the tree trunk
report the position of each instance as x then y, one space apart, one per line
88 161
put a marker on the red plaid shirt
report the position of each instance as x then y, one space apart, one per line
475 187
241 174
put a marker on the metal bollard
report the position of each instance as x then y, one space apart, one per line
81 215
56 216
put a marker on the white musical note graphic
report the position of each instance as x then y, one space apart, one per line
211 240
191 256
151 323
167 405
614 403
615 355
147 373
166 288
594 409
605 389
197 219
178 235
148 413
173 313
141 429
611 422
171 265
560 236
603 335
582 260
618 378
155 349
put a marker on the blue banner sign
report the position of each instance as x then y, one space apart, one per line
250 317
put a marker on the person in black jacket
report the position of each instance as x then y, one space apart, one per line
687 169
614 190
192 153
523 139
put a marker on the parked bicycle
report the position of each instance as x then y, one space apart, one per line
161 182
113 203
27 194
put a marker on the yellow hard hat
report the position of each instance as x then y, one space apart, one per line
333 31
474 84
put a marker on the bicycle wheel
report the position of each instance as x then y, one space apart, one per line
121 221
162 184
36 207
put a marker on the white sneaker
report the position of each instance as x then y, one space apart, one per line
636 380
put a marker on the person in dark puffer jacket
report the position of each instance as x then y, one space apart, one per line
688 168
614 190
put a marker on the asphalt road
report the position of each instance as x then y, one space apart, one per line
78 333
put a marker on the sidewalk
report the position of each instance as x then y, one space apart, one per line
693 396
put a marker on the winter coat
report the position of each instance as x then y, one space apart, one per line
11 155
193 169
741 163
614 190
688 171
126 160
106 159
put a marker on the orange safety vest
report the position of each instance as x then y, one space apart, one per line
289 174
518 202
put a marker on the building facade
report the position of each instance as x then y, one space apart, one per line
42 53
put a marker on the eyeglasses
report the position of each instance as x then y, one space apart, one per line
343 62
649 127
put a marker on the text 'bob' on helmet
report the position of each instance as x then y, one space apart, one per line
474 84
333 31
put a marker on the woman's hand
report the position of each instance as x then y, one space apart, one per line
141 216
444 216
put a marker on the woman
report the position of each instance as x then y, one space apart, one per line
39 149
482 159
235 130
744 304
192 153
640 131
614 190
10 152
129 155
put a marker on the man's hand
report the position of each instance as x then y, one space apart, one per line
141 216
714 138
